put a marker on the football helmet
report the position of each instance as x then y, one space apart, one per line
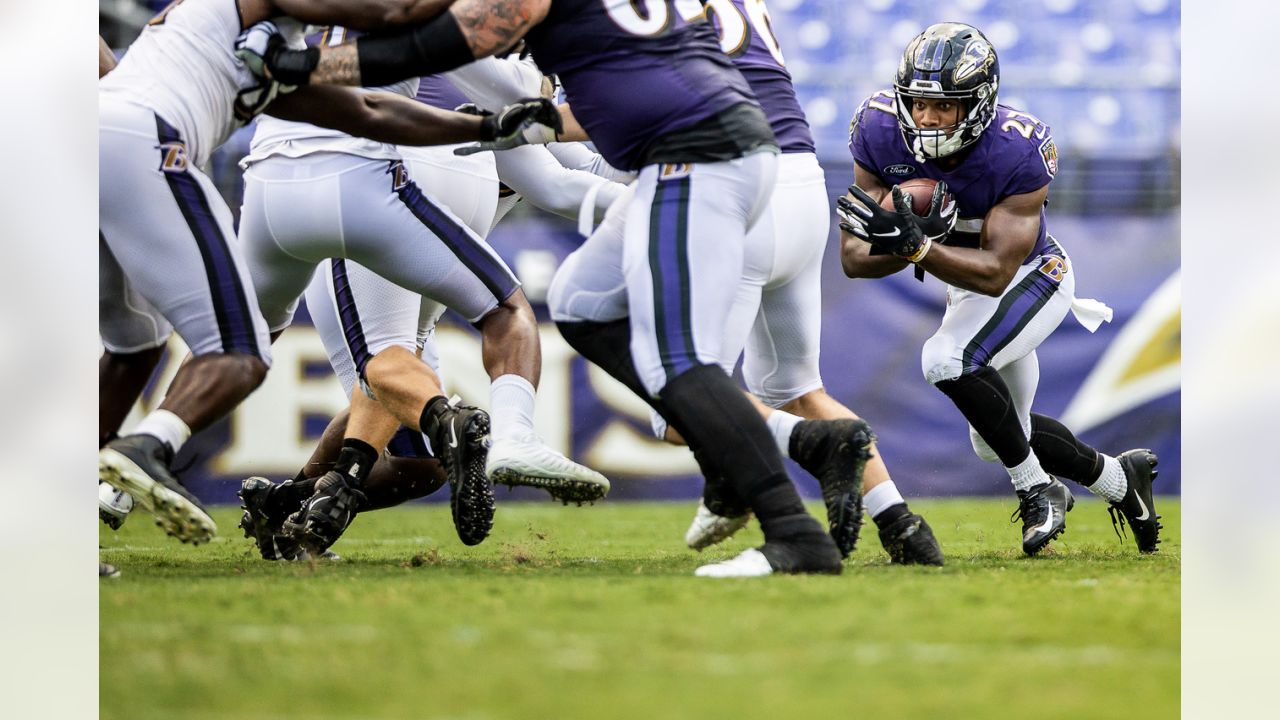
953 61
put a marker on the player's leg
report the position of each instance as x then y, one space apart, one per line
171 233
133 337
1123 481
451 264
981 333
683 259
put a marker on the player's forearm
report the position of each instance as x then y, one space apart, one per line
972 269
363 14
543 181
378 116
857 261
471 29
573 130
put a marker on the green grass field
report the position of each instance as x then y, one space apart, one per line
593 613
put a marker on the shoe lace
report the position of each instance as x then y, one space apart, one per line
1028 507
1117 522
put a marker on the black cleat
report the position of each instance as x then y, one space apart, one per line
326 515
1043 510
139 465
910 541
836 453
460 438
1138 506
258 525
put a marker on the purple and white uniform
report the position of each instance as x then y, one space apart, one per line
655 93
1014 156
776 315
167 247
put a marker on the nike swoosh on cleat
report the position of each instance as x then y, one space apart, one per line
453 437
1048 523
1145 513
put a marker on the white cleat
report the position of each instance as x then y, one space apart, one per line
533 464
708 528
113 505
749 563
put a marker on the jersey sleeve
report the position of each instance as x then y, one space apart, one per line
860 145
492 82
1039 163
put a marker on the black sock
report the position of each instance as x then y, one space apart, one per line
732 442
356 460
985 401
1061 453
287 498
891 515
431 412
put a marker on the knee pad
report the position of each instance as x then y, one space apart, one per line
940 359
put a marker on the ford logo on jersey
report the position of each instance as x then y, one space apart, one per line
900 170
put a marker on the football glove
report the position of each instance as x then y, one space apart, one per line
534 121
263 51
253 46
941 220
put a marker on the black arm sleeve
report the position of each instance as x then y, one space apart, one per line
434 47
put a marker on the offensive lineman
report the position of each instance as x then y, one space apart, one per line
1009 282
166 235
784 261
655 94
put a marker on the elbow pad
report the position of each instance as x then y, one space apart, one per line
427 49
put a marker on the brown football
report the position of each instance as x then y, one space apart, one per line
921 192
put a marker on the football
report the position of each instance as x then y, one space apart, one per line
921 192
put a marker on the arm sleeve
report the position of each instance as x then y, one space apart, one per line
535 173
577 156
492 83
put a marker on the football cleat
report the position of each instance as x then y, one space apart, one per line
910 541
836 453
460 438
708 528
530 463
1138 507
327 514
805 553
139 466
107 571
113 505
1043 510
258 525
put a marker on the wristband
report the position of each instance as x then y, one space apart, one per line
293 67
924 250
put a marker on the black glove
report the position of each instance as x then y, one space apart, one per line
888 230
528 122
937 225
472 109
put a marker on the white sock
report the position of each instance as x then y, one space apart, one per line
165 425
1112 484
782 424
1028 473
881 498
511 407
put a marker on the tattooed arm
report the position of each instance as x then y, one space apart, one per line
471 29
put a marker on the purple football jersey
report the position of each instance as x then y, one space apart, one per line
1014 155
748 38
635 72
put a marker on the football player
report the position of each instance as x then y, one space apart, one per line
1009 282
688 122
371 327
166 241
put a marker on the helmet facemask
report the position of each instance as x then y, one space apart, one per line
939 142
